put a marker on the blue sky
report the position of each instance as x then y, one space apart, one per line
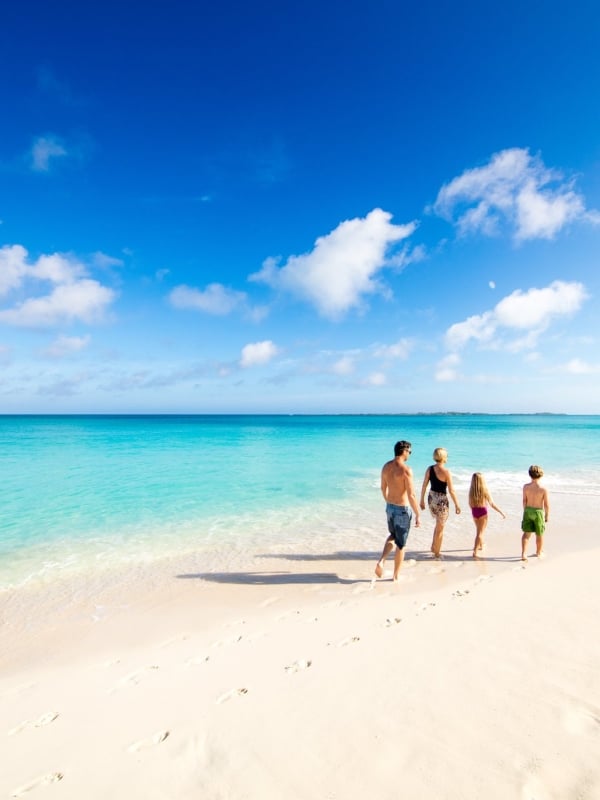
316 207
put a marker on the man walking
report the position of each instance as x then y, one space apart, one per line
399 494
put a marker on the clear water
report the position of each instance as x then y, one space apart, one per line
80 492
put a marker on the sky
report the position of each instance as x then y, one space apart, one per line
316 207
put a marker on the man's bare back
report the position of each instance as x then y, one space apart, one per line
396 483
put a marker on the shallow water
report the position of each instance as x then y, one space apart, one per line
88 494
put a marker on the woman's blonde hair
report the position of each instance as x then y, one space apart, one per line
478 493
440 454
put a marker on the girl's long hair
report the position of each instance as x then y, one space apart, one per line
478 493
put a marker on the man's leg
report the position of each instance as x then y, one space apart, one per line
398 559
387 549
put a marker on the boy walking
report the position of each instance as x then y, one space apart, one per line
536 510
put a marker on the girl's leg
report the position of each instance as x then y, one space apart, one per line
480 526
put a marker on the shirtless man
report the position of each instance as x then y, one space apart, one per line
536 510
398 492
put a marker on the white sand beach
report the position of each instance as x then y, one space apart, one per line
465 680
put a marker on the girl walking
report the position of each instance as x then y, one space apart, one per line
479 499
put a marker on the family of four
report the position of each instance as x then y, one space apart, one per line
401 502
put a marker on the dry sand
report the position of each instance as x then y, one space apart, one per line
464 681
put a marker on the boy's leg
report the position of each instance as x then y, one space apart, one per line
524 540
539 545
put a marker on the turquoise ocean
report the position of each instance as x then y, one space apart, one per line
84 494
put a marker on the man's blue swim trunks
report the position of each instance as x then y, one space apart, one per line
398 520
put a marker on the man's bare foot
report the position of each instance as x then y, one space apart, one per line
379 569
475 553
523 558
541 554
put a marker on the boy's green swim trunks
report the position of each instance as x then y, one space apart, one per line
533 521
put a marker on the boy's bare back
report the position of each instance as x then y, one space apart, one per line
535 496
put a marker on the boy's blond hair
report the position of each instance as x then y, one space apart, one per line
535 471
440 454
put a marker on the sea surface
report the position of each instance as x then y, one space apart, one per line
84 494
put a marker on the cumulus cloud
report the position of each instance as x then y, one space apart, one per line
447 368
65 345
343 366
401 349
529 312
258 353
343 265
215 299
74 296
375 379
578 367
44 149
514 188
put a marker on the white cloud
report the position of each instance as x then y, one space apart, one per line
376 379
578 367
446 370
258 353
343 366
343 265
530 311
45 148
215 299
65 345
515 188
401 349
85 300
13 267
74 296
492 284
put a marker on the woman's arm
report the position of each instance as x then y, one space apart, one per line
451 490
424 487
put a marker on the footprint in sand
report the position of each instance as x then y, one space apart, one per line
133 678
194 662
231 693
157 738
297 666
45 719
227 642
389 622
43 780
435 570
425 606
268 602
460 593
348 640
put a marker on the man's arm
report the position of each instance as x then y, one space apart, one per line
384 483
